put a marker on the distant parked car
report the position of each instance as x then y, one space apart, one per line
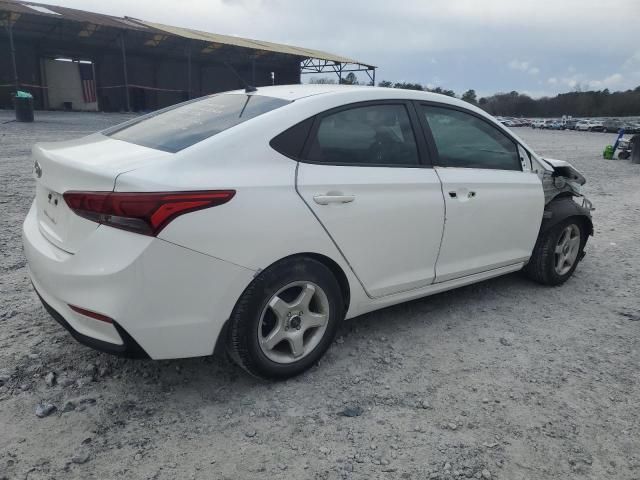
537 124
589 126
554 125
612 125
631 127
596 126
571 124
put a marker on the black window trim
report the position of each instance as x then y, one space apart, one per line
433 150
421 145
298 156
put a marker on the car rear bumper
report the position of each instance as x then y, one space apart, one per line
128 348
166 301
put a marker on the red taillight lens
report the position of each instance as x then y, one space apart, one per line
145 213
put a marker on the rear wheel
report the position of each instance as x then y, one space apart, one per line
286 319
557 253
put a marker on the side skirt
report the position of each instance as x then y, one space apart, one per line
395 299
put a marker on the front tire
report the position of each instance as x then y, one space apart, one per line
286 319
557 253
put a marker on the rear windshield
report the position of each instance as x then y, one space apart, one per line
181 126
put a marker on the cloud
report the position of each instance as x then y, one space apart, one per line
633 62
615 81
523 67
610 82
516 65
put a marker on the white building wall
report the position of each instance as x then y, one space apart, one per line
64 85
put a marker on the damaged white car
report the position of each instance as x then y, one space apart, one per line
256 221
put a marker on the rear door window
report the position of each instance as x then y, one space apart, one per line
371 135
181 126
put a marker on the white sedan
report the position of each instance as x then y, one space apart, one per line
258 221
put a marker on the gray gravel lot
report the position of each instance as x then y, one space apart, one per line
501 380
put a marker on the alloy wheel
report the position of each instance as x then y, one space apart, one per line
567 249
293 322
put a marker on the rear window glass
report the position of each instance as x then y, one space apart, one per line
183 125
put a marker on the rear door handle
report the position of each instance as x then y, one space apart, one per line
327 199
469 195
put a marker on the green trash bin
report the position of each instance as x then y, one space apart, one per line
24 106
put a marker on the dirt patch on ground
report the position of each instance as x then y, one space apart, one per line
500 380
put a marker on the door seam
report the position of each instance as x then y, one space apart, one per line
444 226
329 235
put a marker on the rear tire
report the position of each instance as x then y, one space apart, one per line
557 252
286 319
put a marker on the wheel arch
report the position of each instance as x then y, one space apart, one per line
561 208
333 266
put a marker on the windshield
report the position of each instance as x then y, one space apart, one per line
186 124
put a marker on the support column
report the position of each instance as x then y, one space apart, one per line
13 53
95 82
43 81
253 71
156 94
374 77
124 70
189 72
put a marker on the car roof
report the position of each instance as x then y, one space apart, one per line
296 92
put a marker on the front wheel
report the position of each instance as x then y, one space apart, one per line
286 319
557 253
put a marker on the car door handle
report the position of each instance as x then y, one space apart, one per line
469 195
327 199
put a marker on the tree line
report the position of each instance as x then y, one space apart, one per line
578 103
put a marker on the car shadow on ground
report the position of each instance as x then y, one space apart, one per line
217 378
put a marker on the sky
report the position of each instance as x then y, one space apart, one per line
538 47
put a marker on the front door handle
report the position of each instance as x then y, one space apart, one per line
327 199
468 195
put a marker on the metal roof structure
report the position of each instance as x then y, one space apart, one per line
216 38
41 22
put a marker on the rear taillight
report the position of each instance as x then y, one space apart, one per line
145 213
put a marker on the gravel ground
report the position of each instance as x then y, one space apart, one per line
501 380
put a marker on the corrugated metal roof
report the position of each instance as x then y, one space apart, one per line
248 43
127 23
24 8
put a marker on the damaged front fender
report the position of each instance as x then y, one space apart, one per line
562 180
561 184
562 208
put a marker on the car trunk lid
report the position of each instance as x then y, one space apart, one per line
89 164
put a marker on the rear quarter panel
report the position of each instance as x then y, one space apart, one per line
264 222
